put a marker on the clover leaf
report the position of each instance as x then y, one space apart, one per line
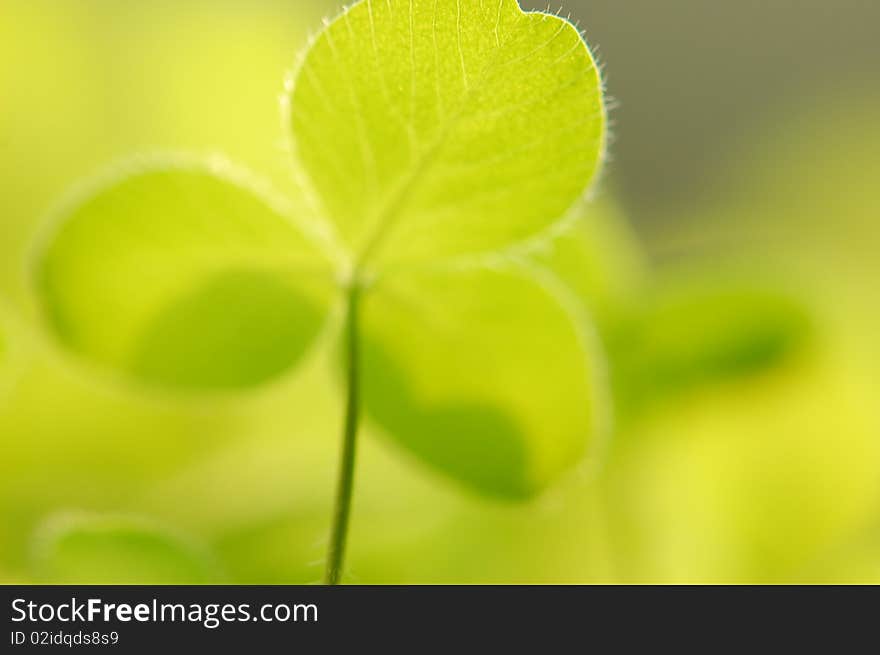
485 374
184 274
432 129
431 139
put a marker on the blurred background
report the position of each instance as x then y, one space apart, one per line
737 246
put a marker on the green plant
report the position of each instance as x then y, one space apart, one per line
437 143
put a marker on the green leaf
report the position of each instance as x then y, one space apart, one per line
432 129
96 549
484 374
703 329
185 275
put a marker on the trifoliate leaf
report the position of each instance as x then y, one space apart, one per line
183 275
96 549
432 128
484 374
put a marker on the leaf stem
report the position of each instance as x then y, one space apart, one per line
345 484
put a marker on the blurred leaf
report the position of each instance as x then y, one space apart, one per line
439 129
684 332
483 374
803 199
185 275
704 329
95 549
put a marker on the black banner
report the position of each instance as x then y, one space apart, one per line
129 619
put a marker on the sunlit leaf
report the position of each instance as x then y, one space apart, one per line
483 374
95 549
428 129
183 275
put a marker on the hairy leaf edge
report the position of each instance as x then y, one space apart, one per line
561 224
